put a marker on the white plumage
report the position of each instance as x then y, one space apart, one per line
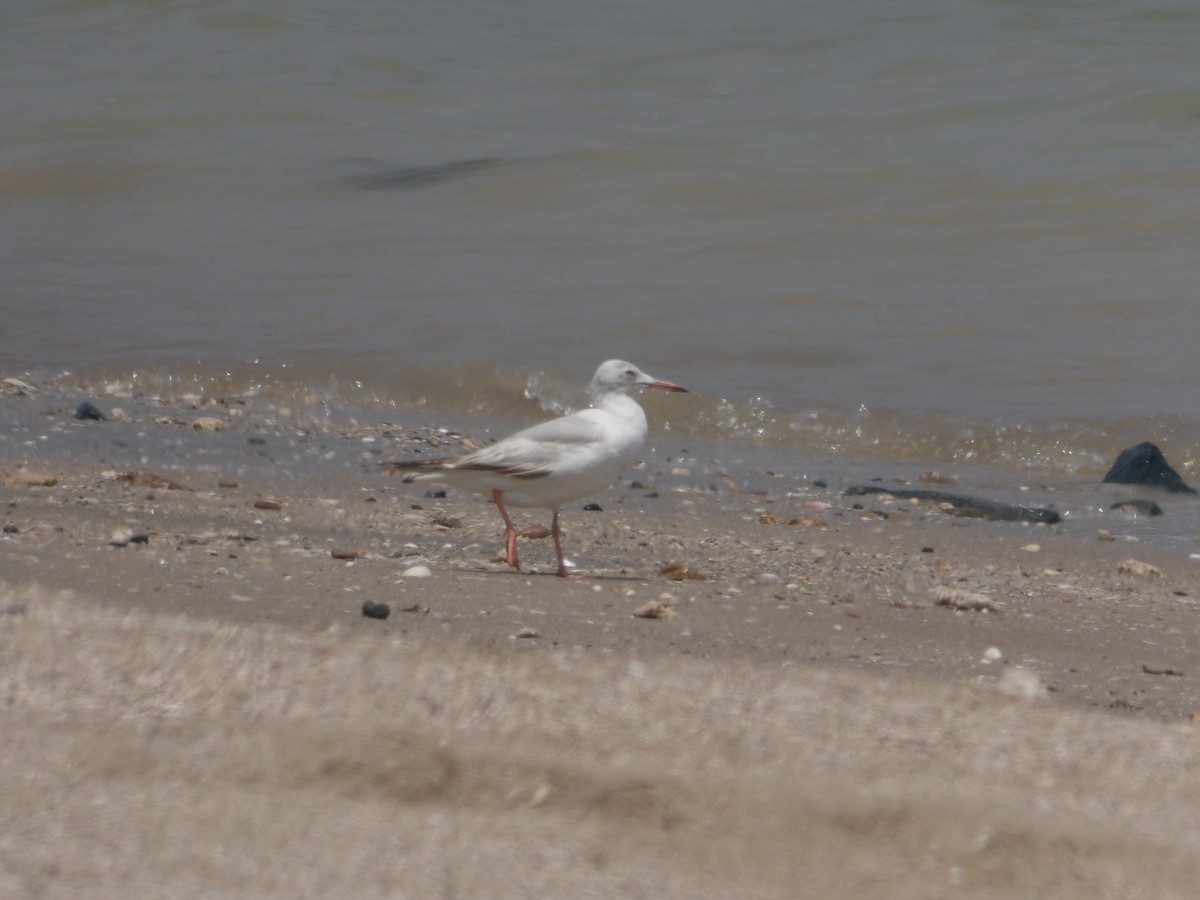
547 465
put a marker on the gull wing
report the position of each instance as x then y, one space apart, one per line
537 451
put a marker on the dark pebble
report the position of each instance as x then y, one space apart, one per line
435 495
373 610
820 484
88 410
140 538
636 486
593 507
926 549
257 441
11 529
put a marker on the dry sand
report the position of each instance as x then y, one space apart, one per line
206 712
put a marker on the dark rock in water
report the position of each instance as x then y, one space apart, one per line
87 410
593 507
436 494
1145 507
961 505
373 610
1145 464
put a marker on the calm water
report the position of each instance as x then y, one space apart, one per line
963 231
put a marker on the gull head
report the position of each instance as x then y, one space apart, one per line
619 377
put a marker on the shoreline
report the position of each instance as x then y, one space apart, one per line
269 514
927 703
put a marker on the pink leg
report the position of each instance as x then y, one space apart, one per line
563 571
510 533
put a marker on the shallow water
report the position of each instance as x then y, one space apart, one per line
960 232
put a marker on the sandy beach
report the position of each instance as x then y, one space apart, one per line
753 692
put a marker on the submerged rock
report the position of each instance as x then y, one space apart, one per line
1145 464
962 505
88 410
1143 506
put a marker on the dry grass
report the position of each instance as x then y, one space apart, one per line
154 756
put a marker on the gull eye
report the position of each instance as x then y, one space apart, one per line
631 373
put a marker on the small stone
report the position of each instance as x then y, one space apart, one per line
436 494
271 505
11 529
150 480
938 478
528 633
1160 670
416 608
655 609
536 532
1138 507
1018 682
991 654
373 610
680 572
1032 548
1138 569
209 423
592 507
89 411
417 571
346 553
120 537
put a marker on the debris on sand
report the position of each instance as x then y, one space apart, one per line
957 598
655 609
1138 569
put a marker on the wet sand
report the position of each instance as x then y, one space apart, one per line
196 705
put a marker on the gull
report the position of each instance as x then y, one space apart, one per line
547 465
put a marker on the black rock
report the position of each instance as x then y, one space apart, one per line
87 410
373 610
593 507
1146 465
436 494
